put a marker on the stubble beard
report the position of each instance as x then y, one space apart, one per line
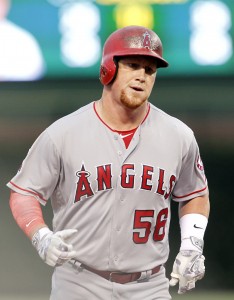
132 101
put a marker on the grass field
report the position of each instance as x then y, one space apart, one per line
190 296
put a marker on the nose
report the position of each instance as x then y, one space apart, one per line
141 75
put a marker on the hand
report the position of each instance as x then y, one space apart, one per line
187 269
53 247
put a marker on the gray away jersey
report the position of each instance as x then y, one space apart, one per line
117 198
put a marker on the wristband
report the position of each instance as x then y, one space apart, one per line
192 228
38 236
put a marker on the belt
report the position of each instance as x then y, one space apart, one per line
119 277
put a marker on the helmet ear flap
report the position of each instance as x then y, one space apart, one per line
107 72
103 74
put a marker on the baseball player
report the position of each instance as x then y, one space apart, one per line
110 170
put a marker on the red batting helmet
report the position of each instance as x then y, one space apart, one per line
130 40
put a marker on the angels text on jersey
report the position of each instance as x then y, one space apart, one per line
150 178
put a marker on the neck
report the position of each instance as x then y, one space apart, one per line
118 117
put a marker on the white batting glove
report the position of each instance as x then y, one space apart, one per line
187 269
53 247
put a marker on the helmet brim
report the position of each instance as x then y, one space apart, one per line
161 62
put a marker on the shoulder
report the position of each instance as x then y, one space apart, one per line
168 122
167 127
73 118
65 129
73 122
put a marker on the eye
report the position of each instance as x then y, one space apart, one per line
150 70
133 65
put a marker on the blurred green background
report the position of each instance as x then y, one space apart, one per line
205 104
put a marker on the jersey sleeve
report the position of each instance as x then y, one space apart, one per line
39 173
192 181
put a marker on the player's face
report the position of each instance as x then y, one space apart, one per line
134 81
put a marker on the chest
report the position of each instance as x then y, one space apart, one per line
100 163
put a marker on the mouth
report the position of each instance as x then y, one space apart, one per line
137 88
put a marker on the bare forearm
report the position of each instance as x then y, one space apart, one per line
27 213
198 205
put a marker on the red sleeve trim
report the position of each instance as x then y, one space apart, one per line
184 196
33 193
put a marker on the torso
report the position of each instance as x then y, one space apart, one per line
117 198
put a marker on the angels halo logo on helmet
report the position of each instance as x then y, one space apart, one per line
130 40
